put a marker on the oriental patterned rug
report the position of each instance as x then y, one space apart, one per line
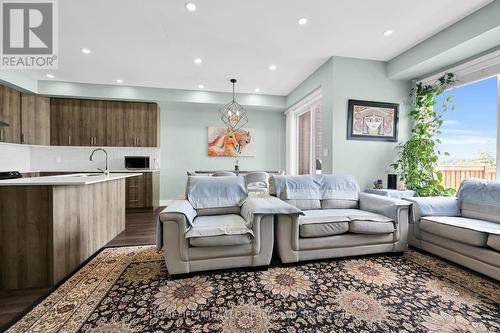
128 290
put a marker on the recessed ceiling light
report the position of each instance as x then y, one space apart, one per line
388 33
50 76
200 86
257 90
272 67
302 21
119 81
86 51
190 6
198 61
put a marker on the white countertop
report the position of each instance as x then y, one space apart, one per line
95 171
73 179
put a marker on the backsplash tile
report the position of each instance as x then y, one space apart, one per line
52 158
25 158
14 157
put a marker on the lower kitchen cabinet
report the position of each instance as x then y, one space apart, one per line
143 191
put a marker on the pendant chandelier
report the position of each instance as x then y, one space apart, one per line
232 114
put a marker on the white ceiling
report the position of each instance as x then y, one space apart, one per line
153 43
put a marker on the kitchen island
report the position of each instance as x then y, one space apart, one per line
50 225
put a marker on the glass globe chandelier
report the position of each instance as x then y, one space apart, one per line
233 115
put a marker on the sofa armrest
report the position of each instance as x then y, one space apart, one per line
386 206
433 206
180 212
178 207
266 206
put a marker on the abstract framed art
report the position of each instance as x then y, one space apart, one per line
373 121
223 142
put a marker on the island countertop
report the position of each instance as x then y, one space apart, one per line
72 179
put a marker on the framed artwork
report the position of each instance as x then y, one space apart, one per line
223 142
374 121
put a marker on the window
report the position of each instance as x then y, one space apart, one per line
470 133
304 144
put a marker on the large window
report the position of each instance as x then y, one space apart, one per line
469 133
304 146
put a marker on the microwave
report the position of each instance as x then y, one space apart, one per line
137 162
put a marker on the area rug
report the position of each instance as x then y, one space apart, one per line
128 289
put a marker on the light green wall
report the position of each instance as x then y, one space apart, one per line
184 143
342 79
365 80
321 78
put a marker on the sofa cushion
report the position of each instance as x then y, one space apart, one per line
224 240
460 229
494 242
218 225
371 227
304 204
323 229
339 204
329 222
218 211
480 199
482 254
322 223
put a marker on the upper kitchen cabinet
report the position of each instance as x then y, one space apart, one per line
115 119
104 123
142 125
66 119
94 123
35 119
10 114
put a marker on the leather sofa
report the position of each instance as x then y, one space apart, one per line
463 229
218 226
338 220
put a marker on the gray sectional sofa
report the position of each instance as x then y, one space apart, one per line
338 220
464 229
217 226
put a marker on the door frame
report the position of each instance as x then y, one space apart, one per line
292 115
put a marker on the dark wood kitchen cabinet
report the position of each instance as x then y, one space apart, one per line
143 191
66 119
35 119
104 123
94 124
10 113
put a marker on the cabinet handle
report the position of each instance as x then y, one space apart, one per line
69 140
133 200
22 137
91 140
1 135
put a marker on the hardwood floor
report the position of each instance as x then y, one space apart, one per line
140 229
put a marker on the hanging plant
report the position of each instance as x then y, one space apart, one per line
418 157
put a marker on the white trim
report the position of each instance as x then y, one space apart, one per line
477 69
498 127
313 97
292 114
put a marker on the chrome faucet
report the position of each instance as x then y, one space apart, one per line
106 169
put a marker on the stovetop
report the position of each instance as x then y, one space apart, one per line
10 175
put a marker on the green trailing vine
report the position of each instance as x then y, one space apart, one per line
418 157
